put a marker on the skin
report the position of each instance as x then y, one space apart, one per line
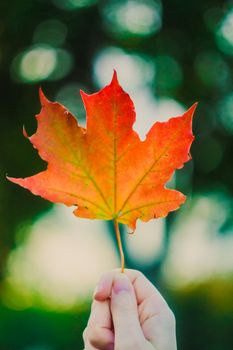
128 313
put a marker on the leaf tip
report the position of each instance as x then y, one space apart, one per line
114 78
43 99
13 179
25 134
132 226
192 109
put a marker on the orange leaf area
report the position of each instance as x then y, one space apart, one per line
106 170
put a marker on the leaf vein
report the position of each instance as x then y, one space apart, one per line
149 170
147 205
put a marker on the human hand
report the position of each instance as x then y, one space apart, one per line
128 313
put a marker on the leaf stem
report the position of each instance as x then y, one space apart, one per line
118 236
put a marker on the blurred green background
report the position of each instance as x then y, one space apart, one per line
168 54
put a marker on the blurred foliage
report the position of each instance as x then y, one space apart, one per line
205 316
54 43
36 329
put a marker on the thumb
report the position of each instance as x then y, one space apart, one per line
128 332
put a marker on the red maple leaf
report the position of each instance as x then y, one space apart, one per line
105 170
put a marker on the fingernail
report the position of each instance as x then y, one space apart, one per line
121 283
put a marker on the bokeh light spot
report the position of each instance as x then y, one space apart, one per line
225 112
168 108
73 4
134 70
132 17
197 251
41 62
50 32
37 64
212 70
224 34
60 262
147 244
149 110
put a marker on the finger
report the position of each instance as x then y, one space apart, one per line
104 286
89 347
99 328
100 339
144 289
100 314
128 332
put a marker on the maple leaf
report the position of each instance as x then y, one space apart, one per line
105 170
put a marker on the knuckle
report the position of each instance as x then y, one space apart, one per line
95 336
139 273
